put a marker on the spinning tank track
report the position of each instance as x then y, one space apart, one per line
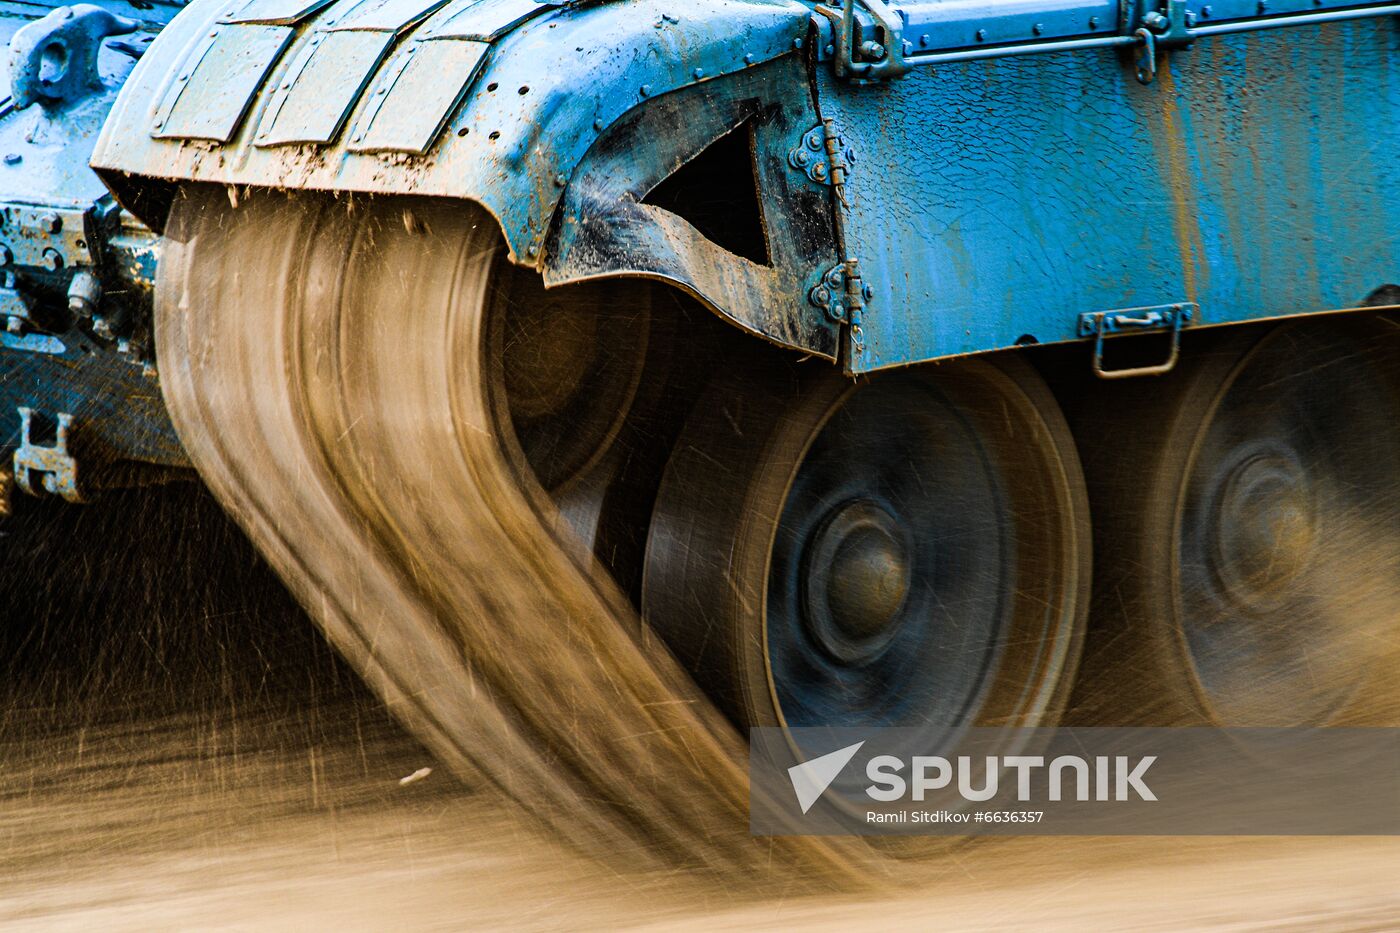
323 363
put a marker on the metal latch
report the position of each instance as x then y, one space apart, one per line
56 463
869 50
1101 324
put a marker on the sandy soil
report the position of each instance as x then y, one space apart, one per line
180 751
172 824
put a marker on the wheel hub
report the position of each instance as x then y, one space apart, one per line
1265 526
857 577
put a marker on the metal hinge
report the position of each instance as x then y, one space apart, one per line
1101 324
825 157
842 294
56 463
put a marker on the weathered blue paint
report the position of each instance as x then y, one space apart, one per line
1018 177
548 90
1255 178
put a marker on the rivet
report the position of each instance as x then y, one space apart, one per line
981 35
1206 11
560 180
698 73
598 125
748 59
797 43
1038 28
830 49
925 39
646 90
1093 22
533 250
13 158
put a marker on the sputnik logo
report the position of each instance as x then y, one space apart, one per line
811 778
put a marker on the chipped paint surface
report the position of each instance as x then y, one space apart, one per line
994 201
548 90
998 200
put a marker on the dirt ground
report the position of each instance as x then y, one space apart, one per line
179 751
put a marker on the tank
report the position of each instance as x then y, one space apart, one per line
609 378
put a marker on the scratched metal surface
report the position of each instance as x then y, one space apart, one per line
998 200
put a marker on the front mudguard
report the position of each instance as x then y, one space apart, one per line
563 126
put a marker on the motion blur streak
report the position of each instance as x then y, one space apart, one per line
323 363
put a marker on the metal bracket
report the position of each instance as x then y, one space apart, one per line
56 463
825 157
875 58
1101 324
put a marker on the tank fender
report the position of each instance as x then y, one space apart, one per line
534 96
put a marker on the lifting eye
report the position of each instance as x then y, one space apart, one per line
53 63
